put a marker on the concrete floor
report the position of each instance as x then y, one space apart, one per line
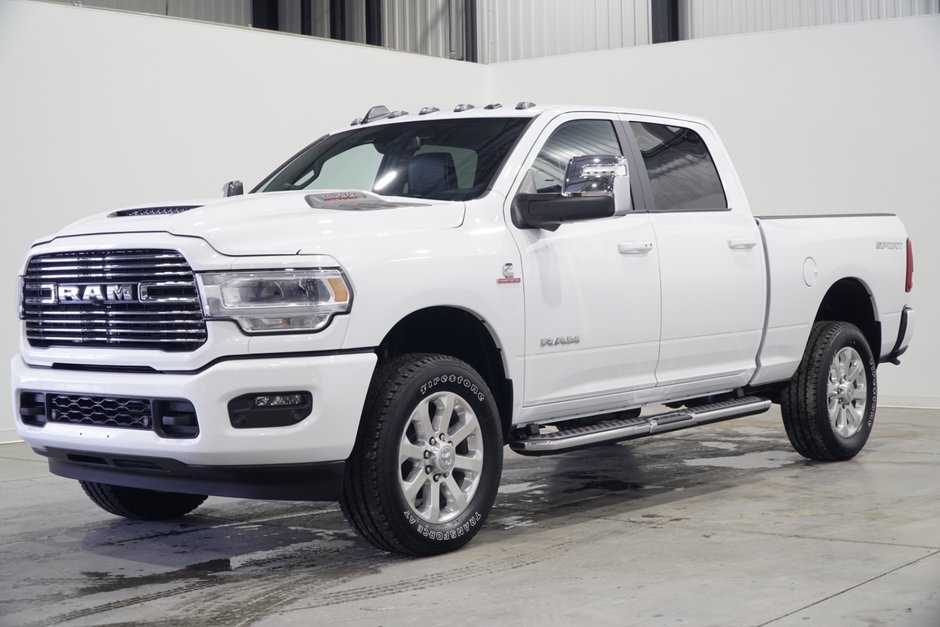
721 525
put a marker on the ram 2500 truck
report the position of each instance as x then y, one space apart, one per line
381 315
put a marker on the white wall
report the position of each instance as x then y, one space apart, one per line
834 119
101 109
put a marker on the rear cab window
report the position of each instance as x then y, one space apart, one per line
682 173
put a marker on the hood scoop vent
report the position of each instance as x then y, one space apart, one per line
356 201
152 211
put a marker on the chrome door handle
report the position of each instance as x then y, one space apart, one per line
741 243
634 248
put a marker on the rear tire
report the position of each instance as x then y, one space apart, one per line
408 489
140 504
829 405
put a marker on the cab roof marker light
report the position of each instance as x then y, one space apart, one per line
525 104
463 107
397 114
356 122
494 105
376 113
427 110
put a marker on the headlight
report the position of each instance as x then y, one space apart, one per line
275 301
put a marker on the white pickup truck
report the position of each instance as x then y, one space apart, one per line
403 297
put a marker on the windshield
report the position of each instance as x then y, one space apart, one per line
437 159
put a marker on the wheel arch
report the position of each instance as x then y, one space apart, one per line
850 300
460 333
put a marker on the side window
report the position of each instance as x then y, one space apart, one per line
681 170
571 139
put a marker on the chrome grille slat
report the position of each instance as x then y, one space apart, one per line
106 322
75 312
116 256
70 341
162 312
104 265
89 277
105 331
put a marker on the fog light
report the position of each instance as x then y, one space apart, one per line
271 409
280 400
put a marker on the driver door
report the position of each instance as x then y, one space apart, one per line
592 293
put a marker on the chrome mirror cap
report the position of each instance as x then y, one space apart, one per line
592 175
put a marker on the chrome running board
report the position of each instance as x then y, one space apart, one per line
535 440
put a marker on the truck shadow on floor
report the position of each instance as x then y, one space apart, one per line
617 479
610 480
275 554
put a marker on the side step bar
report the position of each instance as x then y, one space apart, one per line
524 442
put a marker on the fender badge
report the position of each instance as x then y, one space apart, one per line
508 275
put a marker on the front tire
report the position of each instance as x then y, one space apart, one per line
829 405
427 463
140 504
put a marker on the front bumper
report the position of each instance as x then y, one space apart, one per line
338 384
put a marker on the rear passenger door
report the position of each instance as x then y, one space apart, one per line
710 255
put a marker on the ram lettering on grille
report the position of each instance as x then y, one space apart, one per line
94 293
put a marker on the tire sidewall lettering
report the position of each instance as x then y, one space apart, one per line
441 533
453 379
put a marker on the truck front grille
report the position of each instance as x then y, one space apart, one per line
143 299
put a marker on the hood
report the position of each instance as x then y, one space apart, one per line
278 223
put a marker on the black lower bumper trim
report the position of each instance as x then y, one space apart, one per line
285 482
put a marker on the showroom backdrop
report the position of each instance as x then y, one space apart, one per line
102 109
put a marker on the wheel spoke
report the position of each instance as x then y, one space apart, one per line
421 419
434 496
445 409
842 358
855 369
472 464
854 414
411 488
465 430
408 451
861 391
457 499
841 422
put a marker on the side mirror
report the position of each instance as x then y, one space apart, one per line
233 188
599 175
548 211
596 186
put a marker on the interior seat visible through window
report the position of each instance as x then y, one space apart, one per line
431 173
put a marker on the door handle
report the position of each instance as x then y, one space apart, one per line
634 248
741 243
